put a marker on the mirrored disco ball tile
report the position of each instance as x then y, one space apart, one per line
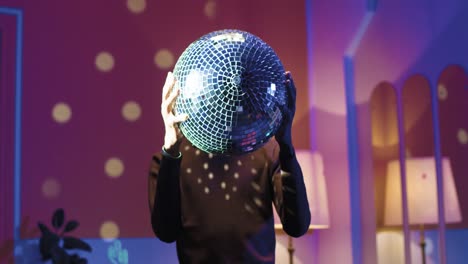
232 87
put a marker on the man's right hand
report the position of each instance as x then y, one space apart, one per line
173 134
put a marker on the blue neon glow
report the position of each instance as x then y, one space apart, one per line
18 93
353 157
440 182
310 79
372 5
366 20
353 146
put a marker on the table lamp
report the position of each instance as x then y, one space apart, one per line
421 194
314 180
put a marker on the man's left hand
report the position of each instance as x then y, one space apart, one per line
283 135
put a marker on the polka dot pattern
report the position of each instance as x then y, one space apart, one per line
91 116
51 188
61 113
114 167
164 59
109 231
104 61
136 6
462 136
210 9
131 111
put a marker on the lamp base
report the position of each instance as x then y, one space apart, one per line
291 250
422 244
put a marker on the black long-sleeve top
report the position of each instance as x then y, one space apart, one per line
218 208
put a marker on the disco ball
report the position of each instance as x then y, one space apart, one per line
232 87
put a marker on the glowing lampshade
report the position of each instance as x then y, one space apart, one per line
316 187
421 192
232 86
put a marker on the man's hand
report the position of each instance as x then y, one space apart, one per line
173 134
283 136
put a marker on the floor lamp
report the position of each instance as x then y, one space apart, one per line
314 180
421 193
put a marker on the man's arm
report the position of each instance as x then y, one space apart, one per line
291 197
164 187
164 197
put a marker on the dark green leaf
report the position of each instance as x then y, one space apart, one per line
71 225
75 243
47 243
75 259
44 229
58 218
60 256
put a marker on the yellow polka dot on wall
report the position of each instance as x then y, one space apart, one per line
61 113
51 188
442 92
164 59
462 136
136 6
210 9
114 167
131 111
104 61
109 230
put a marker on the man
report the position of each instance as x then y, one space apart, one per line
218 208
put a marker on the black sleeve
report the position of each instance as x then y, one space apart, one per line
164 197
290 194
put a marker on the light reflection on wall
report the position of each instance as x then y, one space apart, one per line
383 116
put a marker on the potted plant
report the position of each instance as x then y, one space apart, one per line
55 244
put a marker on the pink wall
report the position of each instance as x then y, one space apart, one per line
334 25
63 163
7 106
